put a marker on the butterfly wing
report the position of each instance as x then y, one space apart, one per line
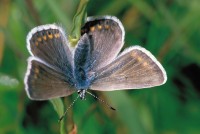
106 35
51 58
42 82
135 68
49 43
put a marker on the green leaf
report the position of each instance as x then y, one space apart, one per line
59 108
77 23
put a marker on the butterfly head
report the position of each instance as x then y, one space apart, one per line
81 93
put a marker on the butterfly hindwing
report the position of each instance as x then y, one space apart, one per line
42 82
134 69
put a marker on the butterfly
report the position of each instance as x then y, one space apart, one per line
57 70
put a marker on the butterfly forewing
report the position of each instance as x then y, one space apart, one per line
106 36
134 69
49 43
43 83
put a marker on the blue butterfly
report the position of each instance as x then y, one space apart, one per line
57 70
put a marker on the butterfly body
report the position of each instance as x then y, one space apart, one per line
82 64
57 70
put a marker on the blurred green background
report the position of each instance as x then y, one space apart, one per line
170 29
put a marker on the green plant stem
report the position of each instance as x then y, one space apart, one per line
77 23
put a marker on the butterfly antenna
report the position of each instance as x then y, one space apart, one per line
101 100
60 119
